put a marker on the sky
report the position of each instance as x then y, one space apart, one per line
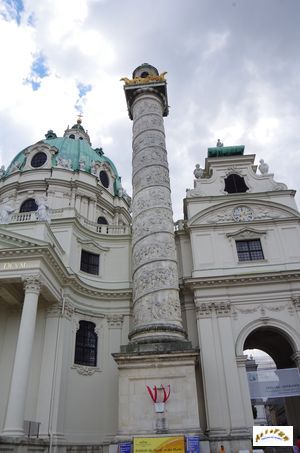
233 73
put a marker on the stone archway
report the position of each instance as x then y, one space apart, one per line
281 347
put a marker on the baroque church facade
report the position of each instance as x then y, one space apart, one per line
116 323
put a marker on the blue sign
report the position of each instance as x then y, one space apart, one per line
125 447
192 444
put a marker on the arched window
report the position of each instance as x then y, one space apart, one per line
29 205
86 344
102 221
72 136
235 184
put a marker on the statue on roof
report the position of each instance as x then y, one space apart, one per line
42 211
263 167
2 171
219 143
64 163
198 172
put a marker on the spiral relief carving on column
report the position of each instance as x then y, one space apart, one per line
156 306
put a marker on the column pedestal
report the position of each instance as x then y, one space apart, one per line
136 409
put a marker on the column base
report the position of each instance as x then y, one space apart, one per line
157 333
146 366
151 346
13 432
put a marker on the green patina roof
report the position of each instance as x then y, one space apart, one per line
226 151
75 150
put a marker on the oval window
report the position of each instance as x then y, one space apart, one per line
104 178
38 159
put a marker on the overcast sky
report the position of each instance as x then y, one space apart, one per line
233 73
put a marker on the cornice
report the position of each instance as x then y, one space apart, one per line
64 277
82 289
238 280
240 197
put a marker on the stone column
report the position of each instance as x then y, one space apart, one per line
156 306
16 402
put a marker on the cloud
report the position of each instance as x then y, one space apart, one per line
216 42
233 74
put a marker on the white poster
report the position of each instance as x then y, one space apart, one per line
274 383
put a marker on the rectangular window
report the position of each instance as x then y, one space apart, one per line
250 250
89 262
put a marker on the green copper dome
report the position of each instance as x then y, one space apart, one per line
76 152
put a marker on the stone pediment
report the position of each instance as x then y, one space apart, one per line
10 240
243 212
246 233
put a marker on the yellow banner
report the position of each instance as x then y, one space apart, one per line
158 445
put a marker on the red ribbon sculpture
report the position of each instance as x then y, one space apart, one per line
154 393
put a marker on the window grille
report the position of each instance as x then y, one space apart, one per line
250 250
38 159
86 344
89 262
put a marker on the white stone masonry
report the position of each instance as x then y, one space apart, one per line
156 305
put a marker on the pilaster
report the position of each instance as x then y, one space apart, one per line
51 388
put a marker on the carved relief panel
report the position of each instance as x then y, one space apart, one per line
150 156
158 307
155 197
154 220
154 276
163 248
147 105
150 177
147 139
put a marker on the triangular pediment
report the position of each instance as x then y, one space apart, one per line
9 240
246 233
